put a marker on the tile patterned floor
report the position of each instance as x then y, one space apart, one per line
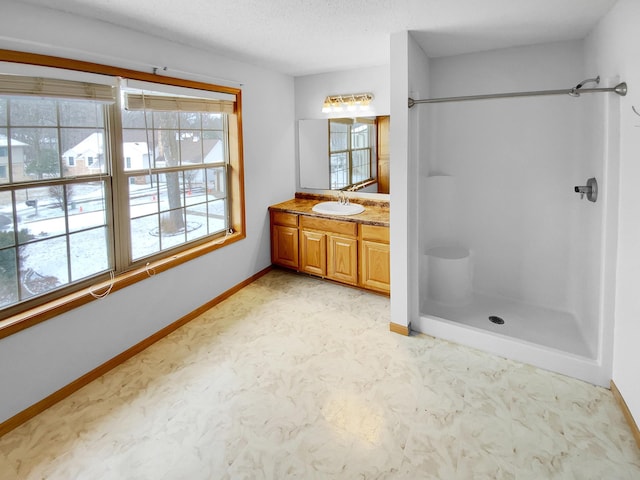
294 377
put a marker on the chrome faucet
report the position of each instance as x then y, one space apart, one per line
342 197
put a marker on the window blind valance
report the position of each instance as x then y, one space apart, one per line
51 87
167 103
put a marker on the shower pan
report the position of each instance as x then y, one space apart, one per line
511 260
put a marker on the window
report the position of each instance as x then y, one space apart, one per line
351 150
180 188
172 151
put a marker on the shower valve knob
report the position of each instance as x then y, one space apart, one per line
590 190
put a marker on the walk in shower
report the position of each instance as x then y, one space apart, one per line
516 197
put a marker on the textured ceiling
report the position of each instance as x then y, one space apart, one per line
301 37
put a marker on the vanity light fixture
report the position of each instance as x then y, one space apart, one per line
347 102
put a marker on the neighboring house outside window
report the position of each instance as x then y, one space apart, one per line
17 153
179 152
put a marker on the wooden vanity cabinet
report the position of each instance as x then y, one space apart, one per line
342 259
375 271
284 239
347 252
329 248
313 252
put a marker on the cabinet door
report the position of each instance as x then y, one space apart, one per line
284 246
342 259
374 264
313 252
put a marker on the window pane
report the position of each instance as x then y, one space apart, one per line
28 111
41 211
190 147
89 253
145 240
171 195
360 135
37 156
144 198
167 120
6 219
135 147
136 119
213 146
361 168
3 111
86 205
197 222
213 121
4 155
216 215
82 152
339 170
8 272
10 264
338 136
168 148
189 120
46 266
81 114
173 227
194 181
216 183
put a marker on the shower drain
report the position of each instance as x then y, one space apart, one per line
497 320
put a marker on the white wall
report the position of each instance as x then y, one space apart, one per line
40 360
409 77
419 87
311 90
614 47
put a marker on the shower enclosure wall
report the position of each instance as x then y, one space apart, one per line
511 257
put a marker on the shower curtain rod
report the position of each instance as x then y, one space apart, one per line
620 89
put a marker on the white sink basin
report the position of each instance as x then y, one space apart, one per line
337 208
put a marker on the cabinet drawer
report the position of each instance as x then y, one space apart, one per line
328 225
283 218
375 233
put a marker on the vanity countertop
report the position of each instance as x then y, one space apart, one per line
376 211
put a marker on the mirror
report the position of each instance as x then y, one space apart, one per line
344 154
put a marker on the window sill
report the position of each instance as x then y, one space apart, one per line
32 317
